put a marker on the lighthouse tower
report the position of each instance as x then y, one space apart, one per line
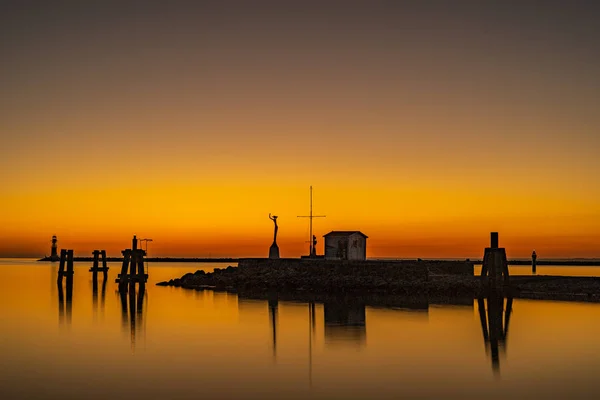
54 249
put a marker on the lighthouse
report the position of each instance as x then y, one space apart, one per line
54 250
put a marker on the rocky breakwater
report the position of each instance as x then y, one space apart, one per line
331 276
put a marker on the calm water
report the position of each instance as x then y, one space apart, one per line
185 344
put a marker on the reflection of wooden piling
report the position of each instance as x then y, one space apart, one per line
66 258
132 310
495 264
65 307
493 326
99 254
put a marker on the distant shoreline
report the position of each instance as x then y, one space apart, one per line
563 262
155 259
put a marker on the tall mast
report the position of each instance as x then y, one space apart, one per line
310 218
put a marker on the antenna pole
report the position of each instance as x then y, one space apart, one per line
311 218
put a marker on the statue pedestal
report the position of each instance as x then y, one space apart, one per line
274 251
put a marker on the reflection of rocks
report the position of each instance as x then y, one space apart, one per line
345 322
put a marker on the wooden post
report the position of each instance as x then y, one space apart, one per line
95 266
70 271
61 266
104 265
123 278
141 274
495 264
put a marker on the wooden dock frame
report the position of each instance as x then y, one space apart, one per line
66 260
133 260
99 254
66 257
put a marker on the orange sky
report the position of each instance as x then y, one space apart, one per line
426 128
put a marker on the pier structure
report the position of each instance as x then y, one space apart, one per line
99 254
133 261
495 265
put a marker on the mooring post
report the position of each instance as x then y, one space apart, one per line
495 264
533 262
95 266
61 266
70 272
123 278
141 274
104 265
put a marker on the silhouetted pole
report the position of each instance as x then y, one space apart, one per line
312 251
533 262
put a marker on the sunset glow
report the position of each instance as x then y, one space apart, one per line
191 126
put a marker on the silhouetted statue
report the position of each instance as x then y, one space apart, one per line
274 249
314 246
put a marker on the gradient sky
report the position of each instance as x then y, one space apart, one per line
425 124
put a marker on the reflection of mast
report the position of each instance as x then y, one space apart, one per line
311 328
494 329
273 310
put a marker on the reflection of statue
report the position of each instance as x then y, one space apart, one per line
274 249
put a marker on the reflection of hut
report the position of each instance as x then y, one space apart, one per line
344 322
345 245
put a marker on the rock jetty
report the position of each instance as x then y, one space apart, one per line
380 279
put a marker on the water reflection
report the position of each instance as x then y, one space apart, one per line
344 322
133 313
494 325
95 295
65 308
273 311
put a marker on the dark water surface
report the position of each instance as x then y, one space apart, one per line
183 344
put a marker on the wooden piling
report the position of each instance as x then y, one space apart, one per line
132 269
104 265
61 266
95 266
99 254
495 264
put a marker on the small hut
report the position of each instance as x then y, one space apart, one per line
345 245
